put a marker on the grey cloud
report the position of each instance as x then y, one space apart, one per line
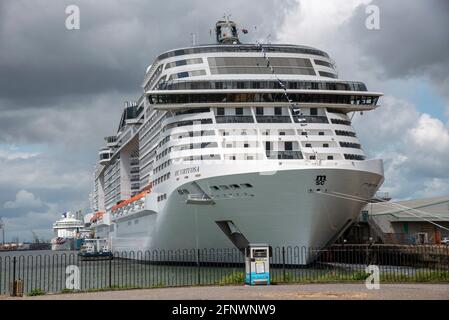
41 60
64 90
403 138
412 40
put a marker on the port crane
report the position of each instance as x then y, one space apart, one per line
35 237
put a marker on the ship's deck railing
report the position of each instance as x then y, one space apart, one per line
261 84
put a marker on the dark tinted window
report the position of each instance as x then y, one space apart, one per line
323 63
267 145
327 74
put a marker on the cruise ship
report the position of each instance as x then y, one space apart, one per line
233 143
69 231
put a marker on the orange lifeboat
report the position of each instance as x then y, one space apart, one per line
131 200
96 216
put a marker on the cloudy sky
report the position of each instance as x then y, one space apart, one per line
62 90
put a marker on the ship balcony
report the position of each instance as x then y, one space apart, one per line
310 119
234 119
111 141
273 119
112 144
284 155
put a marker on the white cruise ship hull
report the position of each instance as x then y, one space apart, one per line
284 206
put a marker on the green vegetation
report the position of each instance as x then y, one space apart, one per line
36 292
418 276
326 276
302 276
235 277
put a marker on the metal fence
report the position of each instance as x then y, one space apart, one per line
52 272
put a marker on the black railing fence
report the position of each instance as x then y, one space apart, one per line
53 272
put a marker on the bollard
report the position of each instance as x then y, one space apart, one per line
16 288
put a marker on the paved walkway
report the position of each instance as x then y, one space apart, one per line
275 292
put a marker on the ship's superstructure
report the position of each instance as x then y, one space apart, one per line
235 142
67 229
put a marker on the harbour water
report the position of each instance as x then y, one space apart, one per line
50 271
54 271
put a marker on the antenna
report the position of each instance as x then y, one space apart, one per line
193 38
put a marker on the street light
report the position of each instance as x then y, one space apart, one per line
2 227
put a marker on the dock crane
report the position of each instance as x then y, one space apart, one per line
35 237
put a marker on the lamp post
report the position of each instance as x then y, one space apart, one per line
2 227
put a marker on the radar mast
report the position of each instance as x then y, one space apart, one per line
226 31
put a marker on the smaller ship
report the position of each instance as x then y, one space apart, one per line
69 232
95 249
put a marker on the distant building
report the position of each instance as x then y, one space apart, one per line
403 222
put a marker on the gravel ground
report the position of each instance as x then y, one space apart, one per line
275 292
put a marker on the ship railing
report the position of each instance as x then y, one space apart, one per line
273 119
284 155
310 119
234 119
130 208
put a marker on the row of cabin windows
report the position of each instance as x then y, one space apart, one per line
164 141
328 157
163 153
161 179
325 145
232 187
345 133
341 121
350 145
192 134
162 166
354 157
260 111
162 197
230 145
342 144
347 157
246 158
304 133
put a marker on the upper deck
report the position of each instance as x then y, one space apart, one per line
239 61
